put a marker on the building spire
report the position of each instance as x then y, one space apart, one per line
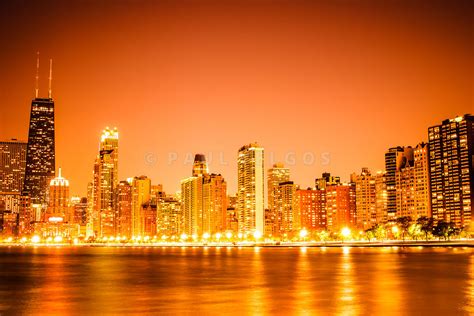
50 77
37 74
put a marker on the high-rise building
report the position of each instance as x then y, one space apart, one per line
365 199
168 217
310 204
325 180
105 181
395 158
214 203
381 197
79 213
59 207
149 211
250 166
276 175
40 153
451 152
12 166
200 165
204 198
412 183
288 220
191 195
123 209
422 181
141 194
340 206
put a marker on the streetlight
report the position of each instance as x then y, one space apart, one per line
257 235
345 232
303 233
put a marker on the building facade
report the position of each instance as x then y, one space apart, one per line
451 164
250 189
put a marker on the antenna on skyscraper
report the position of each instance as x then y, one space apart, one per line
50 77
37 73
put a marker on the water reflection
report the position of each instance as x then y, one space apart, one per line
237 280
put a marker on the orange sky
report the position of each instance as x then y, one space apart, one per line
342 79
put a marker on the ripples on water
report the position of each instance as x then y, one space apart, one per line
228 280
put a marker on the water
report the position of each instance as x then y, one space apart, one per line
350 281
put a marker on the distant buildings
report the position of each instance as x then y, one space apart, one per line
451 152
250 189
432 179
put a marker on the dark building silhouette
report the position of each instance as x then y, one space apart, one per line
40 153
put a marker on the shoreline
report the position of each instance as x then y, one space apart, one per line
351 244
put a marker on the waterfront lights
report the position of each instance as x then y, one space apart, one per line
257 234
205 236
58 239
228 235
395 230
184 236
218 236
303 233
35 239
240 235
345 232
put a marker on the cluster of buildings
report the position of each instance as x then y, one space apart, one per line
433 179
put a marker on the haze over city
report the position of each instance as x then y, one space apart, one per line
348 81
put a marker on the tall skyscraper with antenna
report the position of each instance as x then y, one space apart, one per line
40 154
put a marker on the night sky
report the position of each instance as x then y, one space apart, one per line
341 81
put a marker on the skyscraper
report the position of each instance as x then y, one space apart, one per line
287 219
214 203
192 197
204 198
365 199
394 158
250 191
275 175
325 180
141 194
168 217
422 181
451 152
381 197
105 181
310 205
40 154
12 167
59 199
123 209
340 206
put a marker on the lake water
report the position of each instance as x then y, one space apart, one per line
350 281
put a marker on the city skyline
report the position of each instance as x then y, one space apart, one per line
162 91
